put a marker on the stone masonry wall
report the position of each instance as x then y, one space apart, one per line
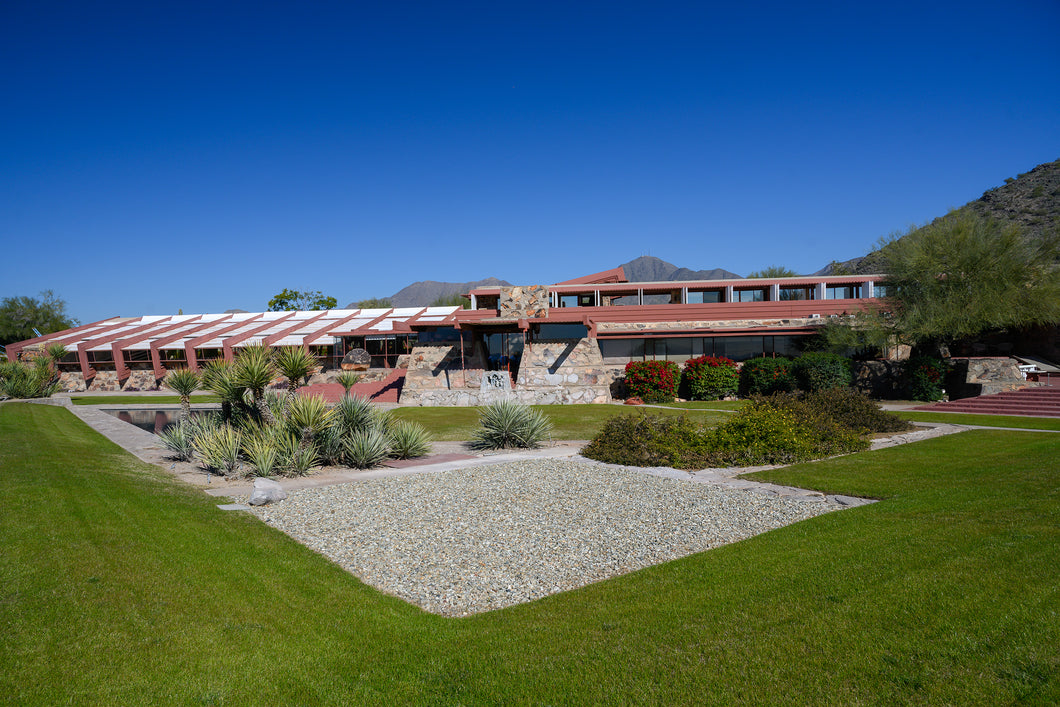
551 372
523 302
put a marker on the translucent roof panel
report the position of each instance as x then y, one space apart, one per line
440 311
405 312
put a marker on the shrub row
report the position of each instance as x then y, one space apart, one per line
780 429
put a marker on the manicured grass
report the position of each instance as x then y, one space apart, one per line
569 421
956 418
729 405
120 586
141 399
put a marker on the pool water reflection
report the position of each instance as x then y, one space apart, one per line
153 421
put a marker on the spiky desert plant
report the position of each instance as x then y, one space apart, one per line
508 423
366 449
329 443
347 380
408 440
184 382
218 376
56 352
218 449
382 420
178 439
295 363
302 459
260 449
353 414
308 416
255 370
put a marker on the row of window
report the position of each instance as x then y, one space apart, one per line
715 296
680 349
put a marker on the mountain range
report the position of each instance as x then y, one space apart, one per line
1030 200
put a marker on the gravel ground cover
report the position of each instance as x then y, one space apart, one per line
461 542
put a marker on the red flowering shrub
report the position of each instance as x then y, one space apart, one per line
653 381
710 377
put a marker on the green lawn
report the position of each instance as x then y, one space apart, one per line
727 405
121 586
569 421
1022 421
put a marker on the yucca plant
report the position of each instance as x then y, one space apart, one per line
330 444
218 376
302 459
218 449
353 414
184 382
509 424
308 416
347 380
295 363
255 370
366 448
409 440
178 440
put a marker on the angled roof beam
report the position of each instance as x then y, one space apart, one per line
273 338
117 347
82 347
14 349
228 344
310 338
157 344
191 345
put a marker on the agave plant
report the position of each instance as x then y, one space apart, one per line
408 440
508 423
255 370
178 440
184 382
261 451
347 380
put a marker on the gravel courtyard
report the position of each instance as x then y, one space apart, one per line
461 542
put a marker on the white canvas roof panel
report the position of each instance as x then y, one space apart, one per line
440 311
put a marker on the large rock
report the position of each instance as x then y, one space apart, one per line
266 491
356 360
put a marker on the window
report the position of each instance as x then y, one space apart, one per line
560 331
883 290
704 296
757 295
797 293
843 292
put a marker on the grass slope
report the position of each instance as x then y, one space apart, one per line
122 586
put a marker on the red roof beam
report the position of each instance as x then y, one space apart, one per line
14 349
157 344
190 346
310 338
118 346
82 347
273 338
229 344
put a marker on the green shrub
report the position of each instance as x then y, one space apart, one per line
366 449
354 414
218 449
653 381
408 440
641 439
855 411
261 453
819 370
178 440
510 424
765 376
710 377
925 377
36 379
768 432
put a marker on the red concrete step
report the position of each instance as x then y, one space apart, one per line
1036 402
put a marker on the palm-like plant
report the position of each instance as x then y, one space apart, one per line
184 382
218 376
347 380
254 370
295 363
307 416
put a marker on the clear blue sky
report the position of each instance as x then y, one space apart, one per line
206 155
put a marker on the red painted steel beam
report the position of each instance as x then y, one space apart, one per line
82 348
190 346
157 344
310 338
228 344
64 336
117 348
273 338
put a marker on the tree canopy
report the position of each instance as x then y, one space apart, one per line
453 300
297 300
375 303
774 271
957 277
19 316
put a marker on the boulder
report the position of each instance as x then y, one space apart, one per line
356 360
266 491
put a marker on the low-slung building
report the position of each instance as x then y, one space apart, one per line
564 343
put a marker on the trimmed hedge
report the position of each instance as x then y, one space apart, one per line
765 376
818 370
653 381
710 377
